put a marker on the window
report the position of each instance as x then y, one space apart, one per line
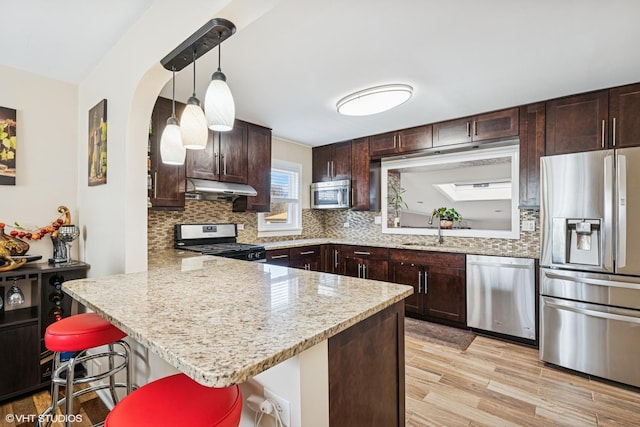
285 217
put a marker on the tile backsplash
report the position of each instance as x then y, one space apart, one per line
328 224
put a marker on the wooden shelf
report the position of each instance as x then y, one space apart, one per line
19 316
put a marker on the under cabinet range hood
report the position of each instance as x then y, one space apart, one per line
202 189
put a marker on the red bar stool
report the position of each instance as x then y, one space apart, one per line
178 400
77 334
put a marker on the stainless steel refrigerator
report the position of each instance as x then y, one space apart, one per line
590 263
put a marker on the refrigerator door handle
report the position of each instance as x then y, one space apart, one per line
608 241
621 177
590 280
593 313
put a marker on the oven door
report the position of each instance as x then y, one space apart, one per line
330 195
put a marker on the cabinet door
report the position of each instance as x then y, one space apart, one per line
445 294
306 257
409 274
205 164
321 170
258 171
330 259
531 149
577 123
499 124
360 196
233 154
452 132
624 108
415 139
20 367
341 161
386 143
167 181
374 269
278 257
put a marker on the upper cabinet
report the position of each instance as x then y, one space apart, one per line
223 159
332 162
165 182
400 142
483 127
258 170
594 121
532 126
360 171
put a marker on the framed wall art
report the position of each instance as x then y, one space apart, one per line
97 158
8 143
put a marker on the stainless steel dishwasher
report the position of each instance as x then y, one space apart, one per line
501 295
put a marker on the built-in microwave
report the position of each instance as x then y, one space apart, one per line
331 194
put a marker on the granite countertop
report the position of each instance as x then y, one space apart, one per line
467 249
222 321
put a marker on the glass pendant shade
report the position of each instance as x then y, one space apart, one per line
218 104
193 126
172 152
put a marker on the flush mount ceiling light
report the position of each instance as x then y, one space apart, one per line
193 123
374 100
172 152
218 102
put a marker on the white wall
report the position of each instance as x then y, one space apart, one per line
45 156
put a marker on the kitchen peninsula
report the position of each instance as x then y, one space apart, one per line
223 321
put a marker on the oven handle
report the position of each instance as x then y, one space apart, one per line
592 313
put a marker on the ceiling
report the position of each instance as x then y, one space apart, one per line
288 68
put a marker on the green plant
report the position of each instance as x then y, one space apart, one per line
447 214
396 199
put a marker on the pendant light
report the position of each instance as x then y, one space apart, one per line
172 152
193 123
218 101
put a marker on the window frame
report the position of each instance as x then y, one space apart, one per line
295 227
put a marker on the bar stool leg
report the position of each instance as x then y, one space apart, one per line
71 365
112 379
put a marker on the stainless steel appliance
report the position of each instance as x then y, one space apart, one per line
216 239
590 259
330 194
501 295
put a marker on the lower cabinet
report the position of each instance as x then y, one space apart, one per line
278 257
303 257
364 262
439 283
20 358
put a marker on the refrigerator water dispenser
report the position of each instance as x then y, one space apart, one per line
577 241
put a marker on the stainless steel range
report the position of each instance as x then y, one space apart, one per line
216 239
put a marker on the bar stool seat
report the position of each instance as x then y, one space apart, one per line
73 336
81 332
178 400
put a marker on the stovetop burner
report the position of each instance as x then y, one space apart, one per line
216 239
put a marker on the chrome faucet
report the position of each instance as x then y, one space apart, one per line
439 240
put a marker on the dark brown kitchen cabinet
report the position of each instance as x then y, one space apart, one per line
305 257
165 182
439 282
20 358
404 141
278 257
360 179
364 262
624 114
330 258
532 127
483 127
332 162
577 123
258 171
223 159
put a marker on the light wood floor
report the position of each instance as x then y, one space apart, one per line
494 383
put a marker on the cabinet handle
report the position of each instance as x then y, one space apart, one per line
333 169
468 128
329 169
307 266
224 165
359 271
395 142
425 282
217 163
279 256
475 128
155 185
361 253
335 258
603 125
614 132
307 252
419 281
364 271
